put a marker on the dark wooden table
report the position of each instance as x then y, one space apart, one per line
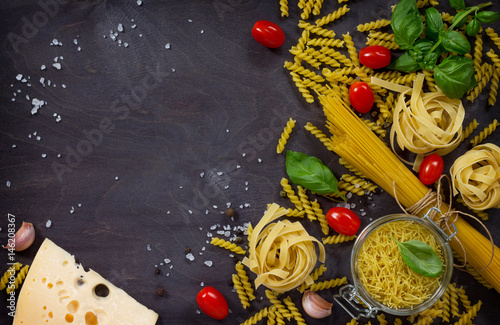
146 135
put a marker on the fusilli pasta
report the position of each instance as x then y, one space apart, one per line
285 135
227 245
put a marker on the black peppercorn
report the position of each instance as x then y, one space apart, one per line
157 271
188 250
160 291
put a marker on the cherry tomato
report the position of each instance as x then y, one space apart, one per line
375 56
343 220
431 169
268 34
212 303
361 96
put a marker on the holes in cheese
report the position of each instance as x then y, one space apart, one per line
101 291
78 295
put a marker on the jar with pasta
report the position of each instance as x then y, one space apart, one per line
382 281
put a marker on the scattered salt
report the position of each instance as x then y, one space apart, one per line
19 77
209 263
48 223
57 65
190 257
8 183
167 46
120 27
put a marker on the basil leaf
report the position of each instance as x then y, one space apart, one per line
461 17
473 27
430 61
420 257
405 63
453 41
455 76
488 16
457 4
310 173
434 23
406 23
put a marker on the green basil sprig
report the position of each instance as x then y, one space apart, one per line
310 173
420 257
455 74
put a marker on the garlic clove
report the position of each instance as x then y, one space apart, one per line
315 306
24 237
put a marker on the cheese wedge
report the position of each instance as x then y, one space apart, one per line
59 291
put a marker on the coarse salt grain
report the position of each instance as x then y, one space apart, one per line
48 223
190 257
209 263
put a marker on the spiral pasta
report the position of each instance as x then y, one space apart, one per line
367 186
290 193
318 134
323 285
495 80
285 135
494 36
351 188
470 314
353 53
306 10
11 271
373 25
379 130
484 133
325 42
256 317
240 291
316 29
302 89
284 8
351 168
21 275
334 54
494 58
325 227
352 322
227 245
294 311
247 286
282 254
317 7
486 74
391 45
474 175
280 308
314 276
478 54
332 16
306 204
337 239
429 78
469 129
381 319
295 67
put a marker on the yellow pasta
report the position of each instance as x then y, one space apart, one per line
469 129
240 291
382 36
284 8
318 134
494 36
417 127
280 308
379 130
381 268
314 276
408 78
316 29
311 58
478 54
306 204
494 58
336 56
391 45
227 245
486 74
484 133
317 7
453 300
282 254
247 286
290 193
318 88
373 25
358 182
470 314
296 67
285 135
21 275
429 78
381 319
318 212
301 4
297 316
323 285
333 16
495 80
351 188
249 230
11 271
352 322
474 175
302 89
445 298
337 239
351 168
353 53
325 42
306 10
256 317
464 298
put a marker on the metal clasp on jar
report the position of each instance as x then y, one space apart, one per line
433 223
351 296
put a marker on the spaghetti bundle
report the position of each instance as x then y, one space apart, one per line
360 147
282 254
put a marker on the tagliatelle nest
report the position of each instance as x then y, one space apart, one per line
476 175
282 254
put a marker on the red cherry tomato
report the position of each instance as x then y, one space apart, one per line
268 34
361 97
375 56
212 303
343 221
431 169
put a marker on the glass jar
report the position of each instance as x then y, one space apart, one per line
362 304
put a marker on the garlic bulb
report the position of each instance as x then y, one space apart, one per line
23 238
315 306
